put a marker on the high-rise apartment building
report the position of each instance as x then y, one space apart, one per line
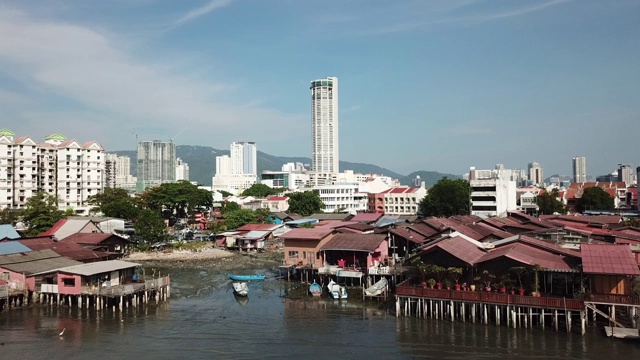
110 170
64 168
182 170
238 170
579 169
536 174
156 163
244 158
625 173
324 126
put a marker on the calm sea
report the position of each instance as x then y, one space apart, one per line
204 320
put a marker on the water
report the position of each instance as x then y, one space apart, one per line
204 320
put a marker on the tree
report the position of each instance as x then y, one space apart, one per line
447 197
260 191
114 202
40 213
263 215
595 198
305 203
181 199
150 227
8 216
229 207
238 218
549 204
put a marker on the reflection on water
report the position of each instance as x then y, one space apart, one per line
205 320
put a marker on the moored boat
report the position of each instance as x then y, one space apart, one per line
377 288
252 277
315 289
336 291
241 288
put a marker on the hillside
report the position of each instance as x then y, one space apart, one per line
202 165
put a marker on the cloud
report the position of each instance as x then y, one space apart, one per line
201 11
82 69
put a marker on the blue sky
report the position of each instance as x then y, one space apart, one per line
424 85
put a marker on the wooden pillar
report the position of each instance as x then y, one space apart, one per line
613 313
531 317
568 318
453 311
397 306
473 313
514 319
583 322
594 316
634 319
542 318
497 316
462 312
485 314
555 319
526 321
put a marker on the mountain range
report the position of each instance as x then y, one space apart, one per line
202 165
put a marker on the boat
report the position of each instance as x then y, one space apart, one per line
622 333
242 300
315 289
377 288
241 288
255 277
336 291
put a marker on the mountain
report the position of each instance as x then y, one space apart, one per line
202 165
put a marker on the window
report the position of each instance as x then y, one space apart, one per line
293 254
70 282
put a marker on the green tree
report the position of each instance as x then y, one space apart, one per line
150 227
549 204
238 218
595 198
114 202
260 191
224 193
447 197
40 213
8 216
262 215
181 199
229 207
305 203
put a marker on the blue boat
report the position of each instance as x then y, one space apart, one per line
255 277
315 289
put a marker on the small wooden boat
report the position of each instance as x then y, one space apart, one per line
622 333
336 291
255 277
377 288
241 288
315 289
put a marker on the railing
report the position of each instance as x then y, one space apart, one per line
4 291
487 297
614 299
379 270
49 288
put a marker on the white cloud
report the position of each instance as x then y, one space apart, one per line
88 70
201 11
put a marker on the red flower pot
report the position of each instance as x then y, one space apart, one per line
457 287
520 292
439 286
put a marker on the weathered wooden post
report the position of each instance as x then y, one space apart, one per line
555 319
583 322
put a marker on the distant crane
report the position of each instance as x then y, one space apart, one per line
176 135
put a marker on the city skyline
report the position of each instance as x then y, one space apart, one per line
505 82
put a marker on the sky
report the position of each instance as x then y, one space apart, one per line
424 84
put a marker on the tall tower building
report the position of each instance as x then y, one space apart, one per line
324 126
579 169
243 158
625 173
536 174
156 163
182 170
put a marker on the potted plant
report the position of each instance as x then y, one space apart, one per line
472 287
504 283
519 271
432 282
536 283
447 284
487 278
455 273
422 268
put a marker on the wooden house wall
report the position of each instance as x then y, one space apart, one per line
611 284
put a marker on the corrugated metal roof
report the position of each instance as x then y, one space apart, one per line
35 262
354 242
608 259
12 247
7 231
318 233
367 217
458 247
100 267
256 234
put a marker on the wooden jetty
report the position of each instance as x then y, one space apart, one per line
622 333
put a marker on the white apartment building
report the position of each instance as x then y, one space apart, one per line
324 126
625 173
536 174
63 168
342 196
230 169
182 170
579 169
403 200
493 193
156 163
124 180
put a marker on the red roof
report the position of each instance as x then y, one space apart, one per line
367 217
70 250
608 259
89 238
257 227
317 233
277 198
406 233
54 228
355 242
529 255
335 224
458 247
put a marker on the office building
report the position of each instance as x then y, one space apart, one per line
324 126
625 173
579 169
536 174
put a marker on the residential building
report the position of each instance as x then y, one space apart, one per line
398 200
276 203
123 177
579 169
20 175
536 174
625 173
110 170
344 197
237 171
324 126
182 170
291 176
156 163
493 193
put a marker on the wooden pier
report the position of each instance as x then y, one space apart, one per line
511 310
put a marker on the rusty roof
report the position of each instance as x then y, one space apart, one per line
355 242
458 247
609 259
317 233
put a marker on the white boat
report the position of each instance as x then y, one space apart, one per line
377 288
241 288
336 291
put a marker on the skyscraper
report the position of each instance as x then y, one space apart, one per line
243 158
156 163
625 173
579 169
324 125
238 170
536 174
